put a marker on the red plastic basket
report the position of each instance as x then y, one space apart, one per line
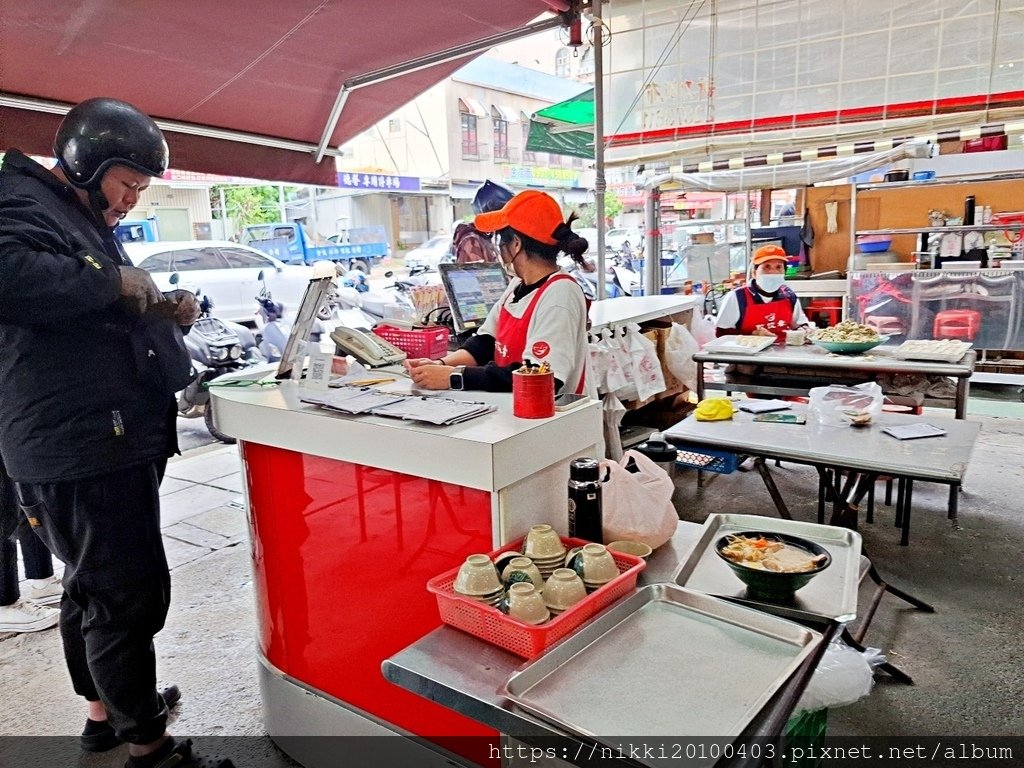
528 640
418 342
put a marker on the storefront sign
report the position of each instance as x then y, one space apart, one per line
378 181
525 176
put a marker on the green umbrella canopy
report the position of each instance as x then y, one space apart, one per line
566 128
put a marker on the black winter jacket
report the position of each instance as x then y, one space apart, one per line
72 405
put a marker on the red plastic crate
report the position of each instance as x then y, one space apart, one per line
418 342
529 640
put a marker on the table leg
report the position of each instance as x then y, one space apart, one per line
962 388
954 495
905 527
700 381
773 490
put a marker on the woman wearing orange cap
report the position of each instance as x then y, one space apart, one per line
541 317
767 307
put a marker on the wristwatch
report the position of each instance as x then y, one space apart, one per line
455 379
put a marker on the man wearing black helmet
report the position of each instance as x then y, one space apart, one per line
469 244
93 356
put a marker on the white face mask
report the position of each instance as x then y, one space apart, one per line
770 283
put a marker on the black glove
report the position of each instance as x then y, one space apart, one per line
186 305
138 291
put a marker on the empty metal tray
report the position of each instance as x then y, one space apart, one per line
831 594
664 662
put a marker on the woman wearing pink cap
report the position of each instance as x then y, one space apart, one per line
767 307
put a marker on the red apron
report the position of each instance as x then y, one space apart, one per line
512 331
776 316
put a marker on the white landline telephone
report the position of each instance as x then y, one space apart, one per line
368 348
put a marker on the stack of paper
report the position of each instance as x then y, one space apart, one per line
431 410
434 410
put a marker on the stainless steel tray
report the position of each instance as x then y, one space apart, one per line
663 662
831 594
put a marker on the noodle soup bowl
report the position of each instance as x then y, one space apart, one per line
776 586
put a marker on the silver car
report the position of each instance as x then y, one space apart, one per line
226 272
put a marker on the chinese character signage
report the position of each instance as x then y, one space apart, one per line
378 182
525 175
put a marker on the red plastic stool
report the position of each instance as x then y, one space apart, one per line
957 324
830 308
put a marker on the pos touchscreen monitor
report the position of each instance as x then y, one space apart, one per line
472 289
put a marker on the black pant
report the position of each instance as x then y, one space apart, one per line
117 586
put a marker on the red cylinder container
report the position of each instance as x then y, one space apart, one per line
533 395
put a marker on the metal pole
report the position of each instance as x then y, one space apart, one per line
652 255
599 182
224 216
280 202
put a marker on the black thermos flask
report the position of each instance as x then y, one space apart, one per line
585 500
969 210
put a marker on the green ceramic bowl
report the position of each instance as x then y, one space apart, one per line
772 585
850 347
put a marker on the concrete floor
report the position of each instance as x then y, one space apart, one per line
965 657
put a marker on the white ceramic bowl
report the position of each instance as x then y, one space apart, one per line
526 604
477 577
523 565
564 589
543 542
635 548
598 564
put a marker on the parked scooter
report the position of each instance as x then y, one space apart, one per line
364 309
216 347
618 281
273 330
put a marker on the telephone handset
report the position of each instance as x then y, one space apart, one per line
369 348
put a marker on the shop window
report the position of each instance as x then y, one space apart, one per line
500 139
562 63
470 145
528 156
587 63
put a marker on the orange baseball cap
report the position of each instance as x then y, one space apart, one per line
769 253
534 213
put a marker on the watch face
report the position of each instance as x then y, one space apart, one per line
455 380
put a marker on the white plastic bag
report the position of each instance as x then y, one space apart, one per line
838 404
599 365
843 676
618 378
637 506
679 348
613 410
643 358
703 328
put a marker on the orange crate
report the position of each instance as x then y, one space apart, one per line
418 342
528 640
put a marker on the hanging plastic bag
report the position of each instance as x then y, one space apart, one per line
703 328
679 348
637 506
613 410
616 377
838 405
618 345
643 359
598 364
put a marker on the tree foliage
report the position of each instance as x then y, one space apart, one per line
612 207
246 205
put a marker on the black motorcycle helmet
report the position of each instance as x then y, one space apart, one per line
99 133
491 197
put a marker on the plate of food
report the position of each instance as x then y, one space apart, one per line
742 345
848 338
942 350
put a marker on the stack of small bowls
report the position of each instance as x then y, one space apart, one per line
478 579
544 547
563 590
595 566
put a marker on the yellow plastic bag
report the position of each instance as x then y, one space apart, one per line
714 409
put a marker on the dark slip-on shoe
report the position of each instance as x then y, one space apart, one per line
98 736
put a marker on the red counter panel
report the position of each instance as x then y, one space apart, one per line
342 554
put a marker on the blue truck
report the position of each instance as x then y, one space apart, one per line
359 248
138 230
